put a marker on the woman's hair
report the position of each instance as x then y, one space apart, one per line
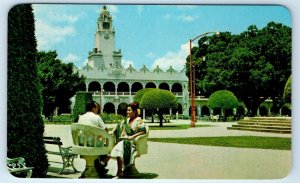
135 107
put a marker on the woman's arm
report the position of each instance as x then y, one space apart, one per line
136 134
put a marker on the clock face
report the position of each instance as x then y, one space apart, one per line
105 25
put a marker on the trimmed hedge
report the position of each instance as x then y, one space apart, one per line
25 126
80 102
222 99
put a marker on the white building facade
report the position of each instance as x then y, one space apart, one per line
113 85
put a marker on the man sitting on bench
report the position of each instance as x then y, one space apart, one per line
92 118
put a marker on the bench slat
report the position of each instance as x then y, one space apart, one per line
52 142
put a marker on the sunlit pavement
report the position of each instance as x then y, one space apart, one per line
179 161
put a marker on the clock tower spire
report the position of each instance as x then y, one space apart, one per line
104 53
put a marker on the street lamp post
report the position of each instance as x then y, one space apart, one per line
192 80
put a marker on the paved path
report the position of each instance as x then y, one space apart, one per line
178 161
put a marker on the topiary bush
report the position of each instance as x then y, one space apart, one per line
224 100
158 100
80 102
25 126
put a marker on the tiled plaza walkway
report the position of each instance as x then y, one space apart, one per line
178 161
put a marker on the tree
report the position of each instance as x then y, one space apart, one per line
158 100
139 94
223 100
59 82
254 64
25 126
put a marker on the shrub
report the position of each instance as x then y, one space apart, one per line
112 118
223 99
25 126
80 102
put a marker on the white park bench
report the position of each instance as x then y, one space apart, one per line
90 142
17 166
214 117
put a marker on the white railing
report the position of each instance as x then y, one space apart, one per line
110 93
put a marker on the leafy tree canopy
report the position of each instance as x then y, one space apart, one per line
254 64
59 82
138 96
158 99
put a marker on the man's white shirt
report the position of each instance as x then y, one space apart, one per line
90 118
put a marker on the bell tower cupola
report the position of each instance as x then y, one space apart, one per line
104 54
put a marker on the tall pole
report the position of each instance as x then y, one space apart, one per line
192 81
192 86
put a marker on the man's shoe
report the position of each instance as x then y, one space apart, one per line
100 168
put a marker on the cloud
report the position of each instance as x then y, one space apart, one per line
112 8
175 59
71 58
49 35
127 63
187 18
55 14
150 55
60 17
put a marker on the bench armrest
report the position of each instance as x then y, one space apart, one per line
18 165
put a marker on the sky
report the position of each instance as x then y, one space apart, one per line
148 35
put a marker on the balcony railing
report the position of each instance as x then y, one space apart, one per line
113 93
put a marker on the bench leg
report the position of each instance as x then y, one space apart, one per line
29 173
72 163
90 171
64 165
68 161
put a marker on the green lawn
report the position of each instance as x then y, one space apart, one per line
236 141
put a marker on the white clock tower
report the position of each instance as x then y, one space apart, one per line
104 54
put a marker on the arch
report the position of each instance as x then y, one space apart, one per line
241 111
136 87
122 107
179 109
285 111
205 110
109 87
263 111
150 85
123 87
176 87
164 86
109 108
94 86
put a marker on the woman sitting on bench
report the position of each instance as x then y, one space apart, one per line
126 132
